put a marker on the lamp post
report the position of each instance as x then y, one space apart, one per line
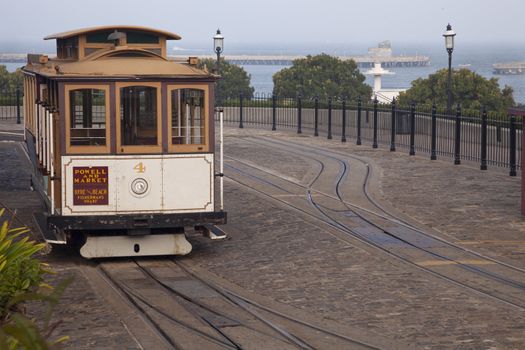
218 45
449 45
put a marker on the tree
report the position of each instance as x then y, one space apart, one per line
10 81
234 79
322 76
469 89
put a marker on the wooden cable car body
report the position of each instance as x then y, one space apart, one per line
122 142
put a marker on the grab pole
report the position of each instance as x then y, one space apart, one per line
221 117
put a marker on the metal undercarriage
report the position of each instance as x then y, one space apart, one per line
129 235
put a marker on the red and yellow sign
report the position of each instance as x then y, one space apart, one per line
90 185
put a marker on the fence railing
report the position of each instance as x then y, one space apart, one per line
11 105
479 136
490 139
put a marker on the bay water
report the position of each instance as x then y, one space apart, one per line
479 59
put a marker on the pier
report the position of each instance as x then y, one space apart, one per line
511 68
362 61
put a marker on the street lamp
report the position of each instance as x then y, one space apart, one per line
218 45
449 45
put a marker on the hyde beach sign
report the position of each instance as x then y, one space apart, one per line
90 185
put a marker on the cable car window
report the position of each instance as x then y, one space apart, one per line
187 117
141 38
67 48
99 37
138 113
88 117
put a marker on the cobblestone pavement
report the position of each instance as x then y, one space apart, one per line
83 314
298 261
279 253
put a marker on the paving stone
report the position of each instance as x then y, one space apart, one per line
288 257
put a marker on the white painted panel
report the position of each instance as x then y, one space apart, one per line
128 170
176 184
188 183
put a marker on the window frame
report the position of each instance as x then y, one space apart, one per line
67 105
192 148
83 44
138 149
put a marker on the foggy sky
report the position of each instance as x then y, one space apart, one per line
275 23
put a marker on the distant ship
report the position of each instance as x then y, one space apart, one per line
465 65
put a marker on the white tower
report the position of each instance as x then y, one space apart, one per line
377 72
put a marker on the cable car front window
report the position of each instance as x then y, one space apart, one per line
187 117
138 113
88 117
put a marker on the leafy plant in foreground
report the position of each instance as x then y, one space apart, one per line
22 280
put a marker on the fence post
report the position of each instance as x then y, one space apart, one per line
512 140
274 112
393 127
329 118
457 145
433 155
359 107
343 126
299 114
374 144
18 121
412 129
240 111
484 140
316 116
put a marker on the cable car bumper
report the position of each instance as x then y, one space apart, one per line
52 227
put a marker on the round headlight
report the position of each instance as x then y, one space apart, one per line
139 186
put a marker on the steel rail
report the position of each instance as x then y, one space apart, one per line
293 340
394 218
459 263
199 304
156 327
225 291
357 235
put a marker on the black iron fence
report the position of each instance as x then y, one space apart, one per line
11 105
491 139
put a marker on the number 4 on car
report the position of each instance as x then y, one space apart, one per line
122 143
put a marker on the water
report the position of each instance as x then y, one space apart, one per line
480 59
11 67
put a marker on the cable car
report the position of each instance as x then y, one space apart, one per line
122 142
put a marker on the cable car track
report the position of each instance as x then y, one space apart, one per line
269 326
395 218
341 226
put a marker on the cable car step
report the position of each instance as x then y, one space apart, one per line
51 236
128 246
213 232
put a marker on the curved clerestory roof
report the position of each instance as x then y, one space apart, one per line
82 31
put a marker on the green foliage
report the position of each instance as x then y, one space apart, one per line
21 280
10 81
234 79
323 76
19 272
469 89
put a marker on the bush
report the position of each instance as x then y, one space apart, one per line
321 76
471 90
21 280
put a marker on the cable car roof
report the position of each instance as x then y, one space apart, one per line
76 32
119 67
